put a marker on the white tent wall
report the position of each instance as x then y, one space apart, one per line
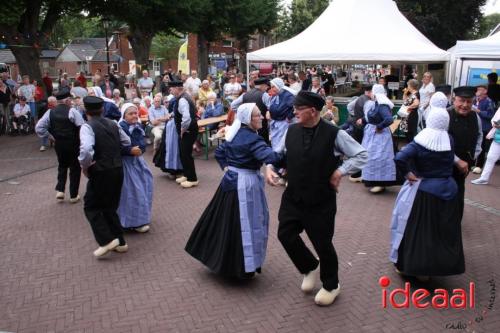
466 55
356 32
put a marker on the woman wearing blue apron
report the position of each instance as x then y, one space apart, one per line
426 232
231 236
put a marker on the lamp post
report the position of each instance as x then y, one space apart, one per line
105 23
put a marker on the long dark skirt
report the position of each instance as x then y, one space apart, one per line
432 242
216 238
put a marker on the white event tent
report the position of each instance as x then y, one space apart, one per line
480 53
356 31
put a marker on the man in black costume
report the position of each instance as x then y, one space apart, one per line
312 149
465 129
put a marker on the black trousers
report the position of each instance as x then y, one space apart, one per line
67 158
319 224
186 151
485 147
460 180
412 125
101 202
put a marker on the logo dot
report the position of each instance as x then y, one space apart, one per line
384 281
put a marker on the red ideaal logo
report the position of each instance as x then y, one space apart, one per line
440 300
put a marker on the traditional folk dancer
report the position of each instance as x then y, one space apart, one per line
187 130
259 96
466 131
313 148
63 124
426 232
136 199
380 171
168 157
231 235
280 110
101 140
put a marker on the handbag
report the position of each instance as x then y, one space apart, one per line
403 111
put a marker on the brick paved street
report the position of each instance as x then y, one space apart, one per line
50 282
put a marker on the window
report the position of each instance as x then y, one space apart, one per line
227 43
250 44
115 67
45 64
156 67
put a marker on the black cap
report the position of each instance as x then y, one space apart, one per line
308 98
174 84
444 88
63 93
261 80
93 102
465 91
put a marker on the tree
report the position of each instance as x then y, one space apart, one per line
303 13
443 22
146 18
165 46
284 22
26 26
486 24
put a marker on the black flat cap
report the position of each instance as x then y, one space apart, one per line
444 88
63 93
261 80
308 98
174 84
93 102
465 91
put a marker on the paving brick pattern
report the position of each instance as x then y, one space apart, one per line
50 282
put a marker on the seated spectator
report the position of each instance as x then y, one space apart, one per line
214 108
20 117
117 98
78 90
330 112
143 112
204 91
158 115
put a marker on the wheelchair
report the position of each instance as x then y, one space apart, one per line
25 124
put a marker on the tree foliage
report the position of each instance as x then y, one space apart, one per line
296 18
165 46
485 25
445 21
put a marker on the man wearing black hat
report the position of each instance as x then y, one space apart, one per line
100 157
312 149
63 124
465 128
187 129
256 95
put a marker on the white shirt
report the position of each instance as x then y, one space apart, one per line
297 86
426 94
232 89
21 110
146 84
192 85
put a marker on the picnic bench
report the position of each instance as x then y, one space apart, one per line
203 126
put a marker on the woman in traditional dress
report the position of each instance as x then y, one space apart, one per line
137 191
167 157
426 234
231 236
380 171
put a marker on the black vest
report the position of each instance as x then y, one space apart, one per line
309 170
255 96
464 131
107 147
61 128
193 126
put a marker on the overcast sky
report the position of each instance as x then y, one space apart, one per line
491 7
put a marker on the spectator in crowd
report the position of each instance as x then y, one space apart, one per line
294 84
204 91
28 90
330 112
158 115
411 101
143 111
494 153
47 81
117 99
107 86
82 79
485 109
64 82
232 89
213 108
316 87
97 78
494 88
164 88
145 83
193 84
425 92
5 96
78 90
20 117
304 81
